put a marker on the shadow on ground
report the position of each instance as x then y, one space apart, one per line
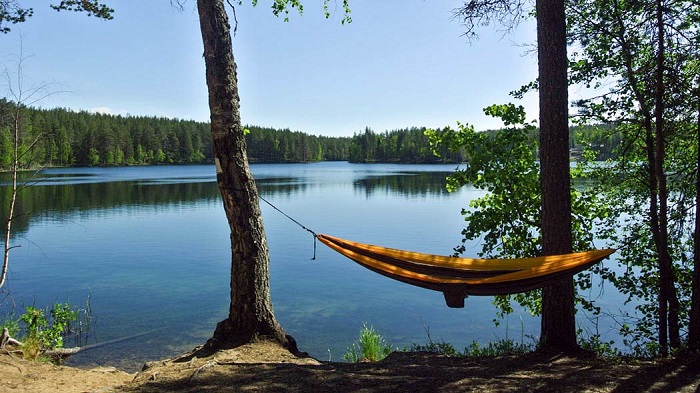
423 372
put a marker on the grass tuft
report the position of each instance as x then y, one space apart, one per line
370 346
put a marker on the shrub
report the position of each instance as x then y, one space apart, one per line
40 334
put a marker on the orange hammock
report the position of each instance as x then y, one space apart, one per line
458 277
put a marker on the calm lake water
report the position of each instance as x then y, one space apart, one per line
150 248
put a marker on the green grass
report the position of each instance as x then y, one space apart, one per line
370 346
492 348
501 347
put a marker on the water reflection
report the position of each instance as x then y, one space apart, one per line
286 186
64 202
407 184
62 194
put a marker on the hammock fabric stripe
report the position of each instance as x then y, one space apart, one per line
458 277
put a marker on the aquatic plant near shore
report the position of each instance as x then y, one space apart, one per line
42 337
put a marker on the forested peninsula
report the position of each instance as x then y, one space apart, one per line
61 137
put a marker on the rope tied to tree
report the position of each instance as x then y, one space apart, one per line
294 221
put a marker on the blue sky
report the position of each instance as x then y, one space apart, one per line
400 63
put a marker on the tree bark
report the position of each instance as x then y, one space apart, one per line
694 325
667 291
669 332
13 197
251 317
558 328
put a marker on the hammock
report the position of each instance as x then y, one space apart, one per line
458 277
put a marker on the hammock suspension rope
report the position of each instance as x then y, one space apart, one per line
294 221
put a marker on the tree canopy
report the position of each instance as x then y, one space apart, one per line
642 57
13 12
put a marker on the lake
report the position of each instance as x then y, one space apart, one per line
149 248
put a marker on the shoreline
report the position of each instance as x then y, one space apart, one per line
269 367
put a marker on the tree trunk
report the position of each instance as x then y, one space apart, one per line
668 300
694 325
250 316
656 233
558 321
13 197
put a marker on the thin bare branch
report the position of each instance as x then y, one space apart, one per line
22 97
507 14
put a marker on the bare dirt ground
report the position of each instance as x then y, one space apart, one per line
265 367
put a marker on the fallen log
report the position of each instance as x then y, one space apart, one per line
60 354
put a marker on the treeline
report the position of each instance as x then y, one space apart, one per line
602 140
61 137
272 145
399 146
412 145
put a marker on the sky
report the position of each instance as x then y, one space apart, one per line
400 63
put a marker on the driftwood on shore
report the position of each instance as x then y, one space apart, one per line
5 339
60 354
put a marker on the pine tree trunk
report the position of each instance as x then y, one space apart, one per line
656 232
666 276
558 321
694 325
250 316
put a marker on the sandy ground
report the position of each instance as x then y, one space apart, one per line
265 367
19 375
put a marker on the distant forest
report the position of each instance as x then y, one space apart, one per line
398 146
412 146
67 138
61 137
